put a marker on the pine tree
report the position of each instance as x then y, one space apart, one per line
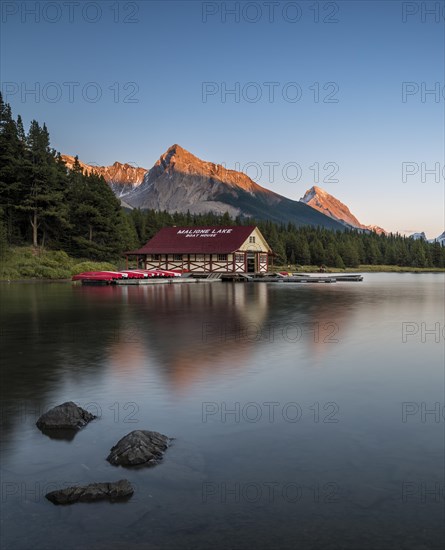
302 251
43 195
349 254
10 162
438 254
331 256
317 251
418 256
139 222
3 237
100 229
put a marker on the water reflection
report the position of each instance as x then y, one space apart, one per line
185 332
155 354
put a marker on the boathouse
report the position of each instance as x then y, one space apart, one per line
235 249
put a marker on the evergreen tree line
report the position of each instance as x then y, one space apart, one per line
44 204
308 245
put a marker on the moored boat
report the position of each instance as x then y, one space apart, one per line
159 272
134 274
111 277
169 272
99 277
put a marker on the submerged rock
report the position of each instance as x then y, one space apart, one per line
139 448
67 416
116 490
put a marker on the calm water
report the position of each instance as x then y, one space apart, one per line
301 418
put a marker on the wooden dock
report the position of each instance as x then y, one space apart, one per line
300 278
234 278
169 281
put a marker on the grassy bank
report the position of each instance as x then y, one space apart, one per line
30 263
361 269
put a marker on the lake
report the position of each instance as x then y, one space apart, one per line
303 416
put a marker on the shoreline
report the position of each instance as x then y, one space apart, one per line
362 269
331 271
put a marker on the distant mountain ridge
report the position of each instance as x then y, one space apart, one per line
321 200
440 239
418 236
421 236
181 182
122 178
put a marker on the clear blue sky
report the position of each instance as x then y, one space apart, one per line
169 50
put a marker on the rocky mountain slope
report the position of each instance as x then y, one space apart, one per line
318 198
422 236
122 178
181 182
418 236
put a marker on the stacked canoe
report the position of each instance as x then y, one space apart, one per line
111 277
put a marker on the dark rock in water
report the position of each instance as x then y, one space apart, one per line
139 448
67 416
117 490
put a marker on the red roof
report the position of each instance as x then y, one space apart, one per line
196 240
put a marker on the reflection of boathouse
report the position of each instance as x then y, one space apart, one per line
241 249
216 328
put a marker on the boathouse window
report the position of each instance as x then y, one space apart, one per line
156 256
251 239
177 257
222 257
239 257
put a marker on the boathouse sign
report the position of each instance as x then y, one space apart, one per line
203 232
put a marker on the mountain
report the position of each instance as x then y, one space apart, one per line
122 178
377 229
440 239
417 236
318 198
181 182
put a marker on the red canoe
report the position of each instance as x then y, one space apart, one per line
134 274
158 272
110 276
99 276
168 272
145 272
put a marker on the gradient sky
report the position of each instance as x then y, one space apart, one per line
170 50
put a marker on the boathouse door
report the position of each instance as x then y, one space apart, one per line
251 267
